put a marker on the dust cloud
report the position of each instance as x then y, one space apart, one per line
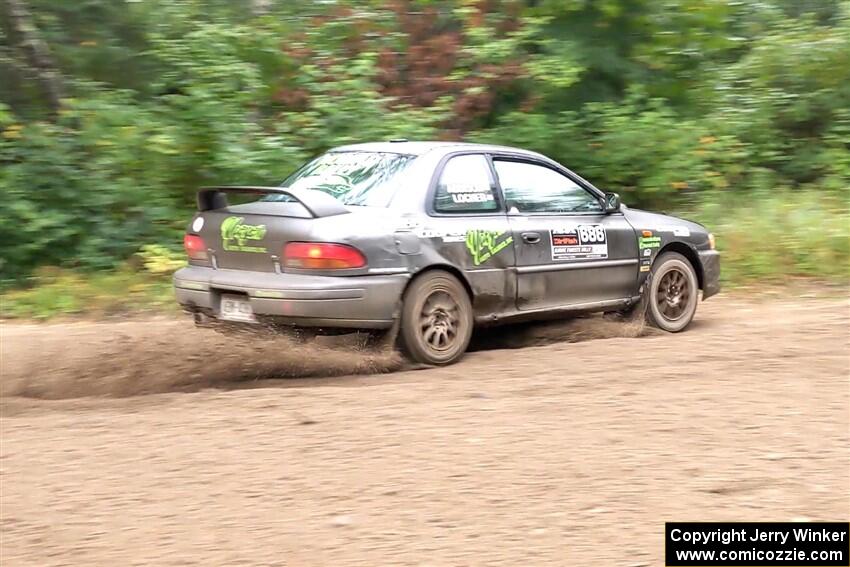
131 358
561 331
145 357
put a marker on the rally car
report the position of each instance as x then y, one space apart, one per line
430 239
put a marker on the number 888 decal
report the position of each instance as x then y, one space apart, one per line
591 234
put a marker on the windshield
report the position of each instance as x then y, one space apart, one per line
354 178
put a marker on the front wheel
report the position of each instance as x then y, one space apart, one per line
436 319
673 293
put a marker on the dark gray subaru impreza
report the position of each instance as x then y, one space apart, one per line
431 239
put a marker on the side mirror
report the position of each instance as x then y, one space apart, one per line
611 203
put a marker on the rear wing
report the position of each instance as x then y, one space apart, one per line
317 203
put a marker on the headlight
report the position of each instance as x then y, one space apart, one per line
711 241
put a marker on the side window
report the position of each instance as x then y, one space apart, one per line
533 188
464 186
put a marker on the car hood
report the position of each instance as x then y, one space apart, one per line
646 220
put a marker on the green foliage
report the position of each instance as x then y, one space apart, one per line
668 103
82 191
160 260
57 292
141 283
779 235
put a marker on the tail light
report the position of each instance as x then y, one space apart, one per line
322 256
195 247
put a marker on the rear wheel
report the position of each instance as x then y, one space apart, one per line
673 293
436 319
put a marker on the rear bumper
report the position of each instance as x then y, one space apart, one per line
367 302
710 260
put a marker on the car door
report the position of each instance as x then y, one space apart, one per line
468 228
569 252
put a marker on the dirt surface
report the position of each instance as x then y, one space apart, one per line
566 452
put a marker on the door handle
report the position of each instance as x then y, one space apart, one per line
531 237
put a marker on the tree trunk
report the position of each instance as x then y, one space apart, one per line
37 52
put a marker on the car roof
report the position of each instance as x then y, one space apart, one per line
420 148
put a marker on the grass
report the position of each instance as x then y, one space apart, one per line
770 239
142 284
55 293
783 235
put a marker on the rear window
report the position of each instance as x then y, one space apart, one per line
354 178
465 186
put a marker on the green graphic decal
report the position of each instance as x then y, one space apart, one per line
484 244
649 242
235 233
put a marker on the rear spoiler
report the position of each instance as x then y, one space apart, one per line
317 203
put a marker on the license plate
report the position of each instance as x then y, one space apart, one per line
237 308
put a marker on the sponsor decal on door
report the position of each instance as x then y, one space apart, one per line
484 244
584 242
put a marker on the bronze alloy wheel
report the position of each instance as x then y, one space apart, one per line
436 322
673 293
439 320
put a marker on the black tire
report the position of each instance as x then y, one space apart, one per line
436 319
672 293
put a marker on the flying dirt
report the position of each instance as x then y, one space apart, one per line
164 355
154 443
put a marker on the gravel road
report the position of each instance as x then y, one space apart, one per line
573 450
